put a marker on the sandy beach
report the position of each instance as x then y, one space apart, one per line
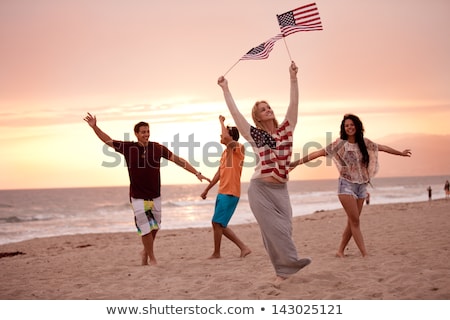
408 244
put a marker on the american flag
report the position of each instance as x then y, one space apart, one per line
304 18
262 51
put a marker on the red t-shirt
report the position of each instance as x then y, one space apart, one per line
143 167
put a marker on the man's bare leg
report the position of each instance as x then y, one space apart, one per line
148 256
218 230
245 251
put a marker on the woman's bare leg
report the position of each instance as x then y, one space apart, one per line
353 208
346 236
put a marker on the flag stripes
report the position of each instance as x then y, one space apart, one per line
304 18
263 50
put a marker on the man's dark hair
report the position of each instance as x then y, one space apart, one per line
138 126
234 133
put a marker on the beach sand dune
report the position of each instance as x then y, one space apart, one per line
408 244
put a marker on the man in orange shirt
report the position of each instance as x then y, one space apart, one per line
229 175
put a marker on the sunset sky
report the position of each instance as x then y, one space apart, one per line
159 61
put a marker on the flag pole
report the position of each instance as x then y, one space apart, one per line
232 67
285 43
284 37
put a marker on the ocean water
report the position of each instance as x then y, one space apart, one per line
28 214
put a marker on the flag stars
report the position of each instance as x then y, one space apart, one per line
286 19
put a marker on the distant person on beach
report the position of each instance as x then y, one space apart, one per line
143 162
268 194
229 175
430 192
368 198
356 159
447 189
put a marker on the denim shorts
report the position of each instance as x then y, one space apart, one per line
357 190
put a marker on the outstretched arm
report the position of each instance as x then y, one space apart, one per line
241 123
292 112
187 166
92 122
404 153
309 157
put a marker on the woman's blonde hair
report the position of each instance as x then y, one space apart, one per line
258 124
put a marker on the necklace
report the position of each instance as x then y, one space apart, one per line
145 150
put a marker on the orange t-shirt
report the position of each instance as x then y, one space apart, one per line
230 176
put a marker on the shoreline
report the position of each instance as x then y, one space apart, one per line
408 244
182 207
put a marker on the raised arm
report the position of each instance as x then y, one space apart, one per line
231 145
241 123
309 157
292 112
223 128
92 122
404 153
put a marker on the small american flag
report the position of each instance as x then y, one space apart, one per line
262 51
304 18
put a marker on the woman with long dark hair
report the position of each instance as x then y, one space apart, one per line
356 159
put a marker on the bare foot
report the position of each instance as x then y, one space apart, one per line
215 256
277 282
146 261
340 254
144 258
245 252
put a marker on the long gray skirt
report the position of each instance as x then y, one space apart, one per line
272 209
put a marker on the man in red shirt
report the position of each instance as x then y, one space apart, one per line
143 161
